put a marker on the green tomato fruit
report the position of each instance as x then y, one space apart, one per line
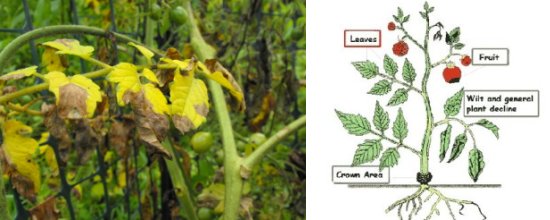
219 157
257 138
205 214
178 15
202 141
156 12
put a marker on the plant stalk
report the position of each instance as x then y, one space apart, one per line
426 141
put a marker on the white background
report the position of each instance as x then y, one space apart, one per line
519 160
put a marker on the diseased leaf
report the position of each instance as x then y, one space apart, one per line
76 97
409 74
53 61
18 74
445 139
400 96
144 51
120 135
259 120
489 125
381 118
127 79
382 87
189 99
56 126
70 46
152 125
367 152
18 149
390 66
400 130
475 164
368 69
452 106
49 154
389 158
213 70
458 146
45 210
149 75
355 124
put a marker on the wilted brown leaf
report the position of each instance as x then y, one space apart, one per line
259 120
246 207
72 101
151 127
22 184
56 126
221 75
87 137
45 210
119 135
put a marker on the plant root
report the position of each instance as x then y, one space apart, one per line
415 203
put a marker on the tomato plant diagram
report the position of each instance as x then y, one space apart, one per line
386 136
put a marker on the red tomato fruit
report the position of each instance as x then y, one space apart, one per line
452 73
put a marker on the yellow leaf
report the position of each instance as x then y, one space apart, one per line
52 61
19 150
143 50
156 98
189 99
147 73
126 75
215 71
77 96
48 153
185 65
18 74
70 46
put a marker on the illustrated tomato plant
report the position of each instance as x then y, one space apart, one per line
375 148
105 125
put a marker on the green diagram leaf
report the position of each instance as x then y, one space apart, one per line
355 124
382 87
390 66
389 158
455 35
367 152
409 74
458 146
367 68
399 97
452 106
400 130
458 46
445 142
489 125
476 164
381 119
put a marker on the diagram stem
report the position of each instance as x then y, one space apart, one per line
426 141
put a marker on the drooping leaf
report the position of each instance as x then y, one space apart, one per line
120 135
144 51
458 46
18 74
213 70
389 158
46 210
475 164
489 125
390 66
382 87
355 124
409 74
18 149
458 146
70 46
455 35
400 129
445 139
189 99
53 61
368 69
452 106
381 118
267 106
400 96
76 97
367 152
56 126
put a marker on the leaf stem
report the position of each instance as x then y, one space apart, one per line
407 35
404 84
463 123
444 60
399 145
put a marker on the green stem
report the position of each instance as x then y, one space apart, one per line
463 123
178 181
261 151
18 42
404 84
426 141
399 145
232 161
